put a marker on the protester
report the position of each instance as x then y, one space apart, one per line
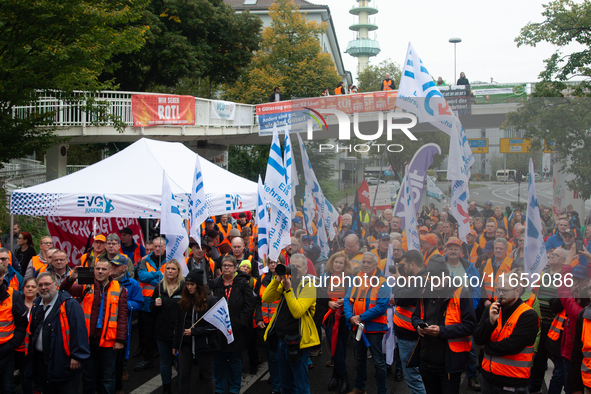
95 253
105 313
276 95
6 237
493 267
547 222
473 210
292 330
164 309
367 304
113 249
557 240
195 338
24 251
340 89
487 212
25 364
57 339
463 80
13 278
198 261
353 251
59 266
130 248
39 263
387 83
234 287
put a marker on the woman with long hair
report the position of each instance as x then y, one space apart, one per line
517 253
517 218
25 364
24 250
195 338
164 307
335 324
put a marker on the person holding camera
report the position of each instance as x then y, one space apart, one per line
292 330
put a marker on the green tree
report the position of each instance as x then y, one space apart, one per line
248 161
290 57
370 80
52 47
189 40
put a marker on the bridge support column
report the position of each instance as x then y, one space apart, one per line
57 159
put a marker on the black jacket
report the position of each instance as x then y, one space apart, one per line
241 305
408 296
206 337
56 359
272 97
19 316
431 347
165 315
463 81
523 335
575 380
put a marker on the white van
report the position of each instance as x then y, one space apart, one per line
505 175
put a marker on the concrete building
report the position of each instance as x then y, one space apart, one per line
363 47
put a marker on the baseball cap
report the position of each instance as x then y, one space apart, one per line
306 238
127 231
380 223
423 228
580 271
431 238
570 231
474 233
297 220
119 260
489 247
488 203
384 235
453 241
209 220
312 248
100 238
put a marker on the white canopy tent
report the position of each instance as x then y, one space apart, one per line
129 184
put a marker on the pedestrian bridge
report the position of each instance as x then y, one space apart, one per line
73 121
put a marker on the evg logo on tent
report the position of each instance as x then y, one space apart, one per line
95 204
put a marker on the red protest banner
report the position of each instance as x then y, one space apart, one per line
162 109
70 234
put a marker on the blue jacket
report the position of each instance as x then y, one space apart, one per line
370 314
151 278
135 302
472 272
11 273
129 251
56 359
554 242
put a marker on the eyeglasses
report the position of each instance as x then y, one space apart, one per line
227 266
503 291
4 258
58 260
46 243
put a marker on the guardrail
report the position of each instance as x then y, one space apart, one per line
74 113
19 173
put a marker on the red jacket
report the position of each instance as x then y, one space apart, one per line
572 312
77 291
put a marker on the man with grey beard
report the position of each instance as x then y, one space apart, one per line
57 340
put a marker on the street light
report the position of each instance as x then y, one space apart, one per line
455 40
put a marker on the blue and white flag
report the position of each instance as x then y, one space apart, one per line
534 256
219 317
458 171
291 178
434 191
277 192
172 225
198 210
389 340
278 236
262 222
410 216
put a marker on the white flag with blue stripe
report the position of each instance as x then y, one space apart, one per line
276 190
534 256
410 215
198 210
173 226
291 178
262 222
459 173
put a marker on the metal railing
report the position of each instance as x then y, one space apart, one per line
20 173
73 113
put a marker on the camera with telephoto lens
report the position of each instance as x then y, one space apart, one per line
282 270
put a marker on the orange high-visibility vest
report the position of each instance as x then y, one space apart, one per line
360 294
557 326
147 288
84 263
381 262
65 329
38 266
453 315
109 334
586 364
402 317
512 365
473 253
136 255
6 318
387 85
14 283
488 271
505 223
482 240
225 233
211 263
530 301
427 258
356 260
267 308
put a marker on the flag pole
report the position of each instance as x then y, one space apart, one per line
375 196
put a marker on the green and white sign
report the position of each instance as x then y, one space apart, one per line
499 94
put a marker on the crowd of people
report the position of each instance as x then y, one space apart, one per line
67 325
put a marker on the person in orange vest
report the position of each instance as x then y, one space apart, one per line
14 279
502 233
13 324
105 313
59 265
130 248
382 250
367 304
113 249
489 233
224 228
56 342
406 298
429 248
150 272
97 251
387 83
507 330
39 263
199 261
354 251
242 222
493 267
470 249
500 219
444 319
340 89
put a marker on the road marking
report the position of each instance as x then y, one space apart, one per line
249 380
152 385
496 195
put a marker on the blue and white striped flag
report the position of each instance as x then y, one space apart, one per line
172 225
275 188
458 171
262 222
198 210
291 178
410 215
534 256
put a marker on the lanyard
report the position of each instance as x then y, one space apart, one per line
228 289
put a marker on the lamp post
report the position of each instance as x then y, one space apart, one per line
455 40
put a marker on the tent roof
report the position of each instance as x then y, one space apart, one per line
129 184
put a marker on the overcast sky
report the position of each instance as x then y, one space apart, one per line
487 30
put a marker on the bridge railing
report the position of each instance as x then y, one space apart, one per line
74 112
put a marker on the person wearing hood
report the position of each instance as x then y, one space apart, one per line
195 338
234 287
444 319
135 303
